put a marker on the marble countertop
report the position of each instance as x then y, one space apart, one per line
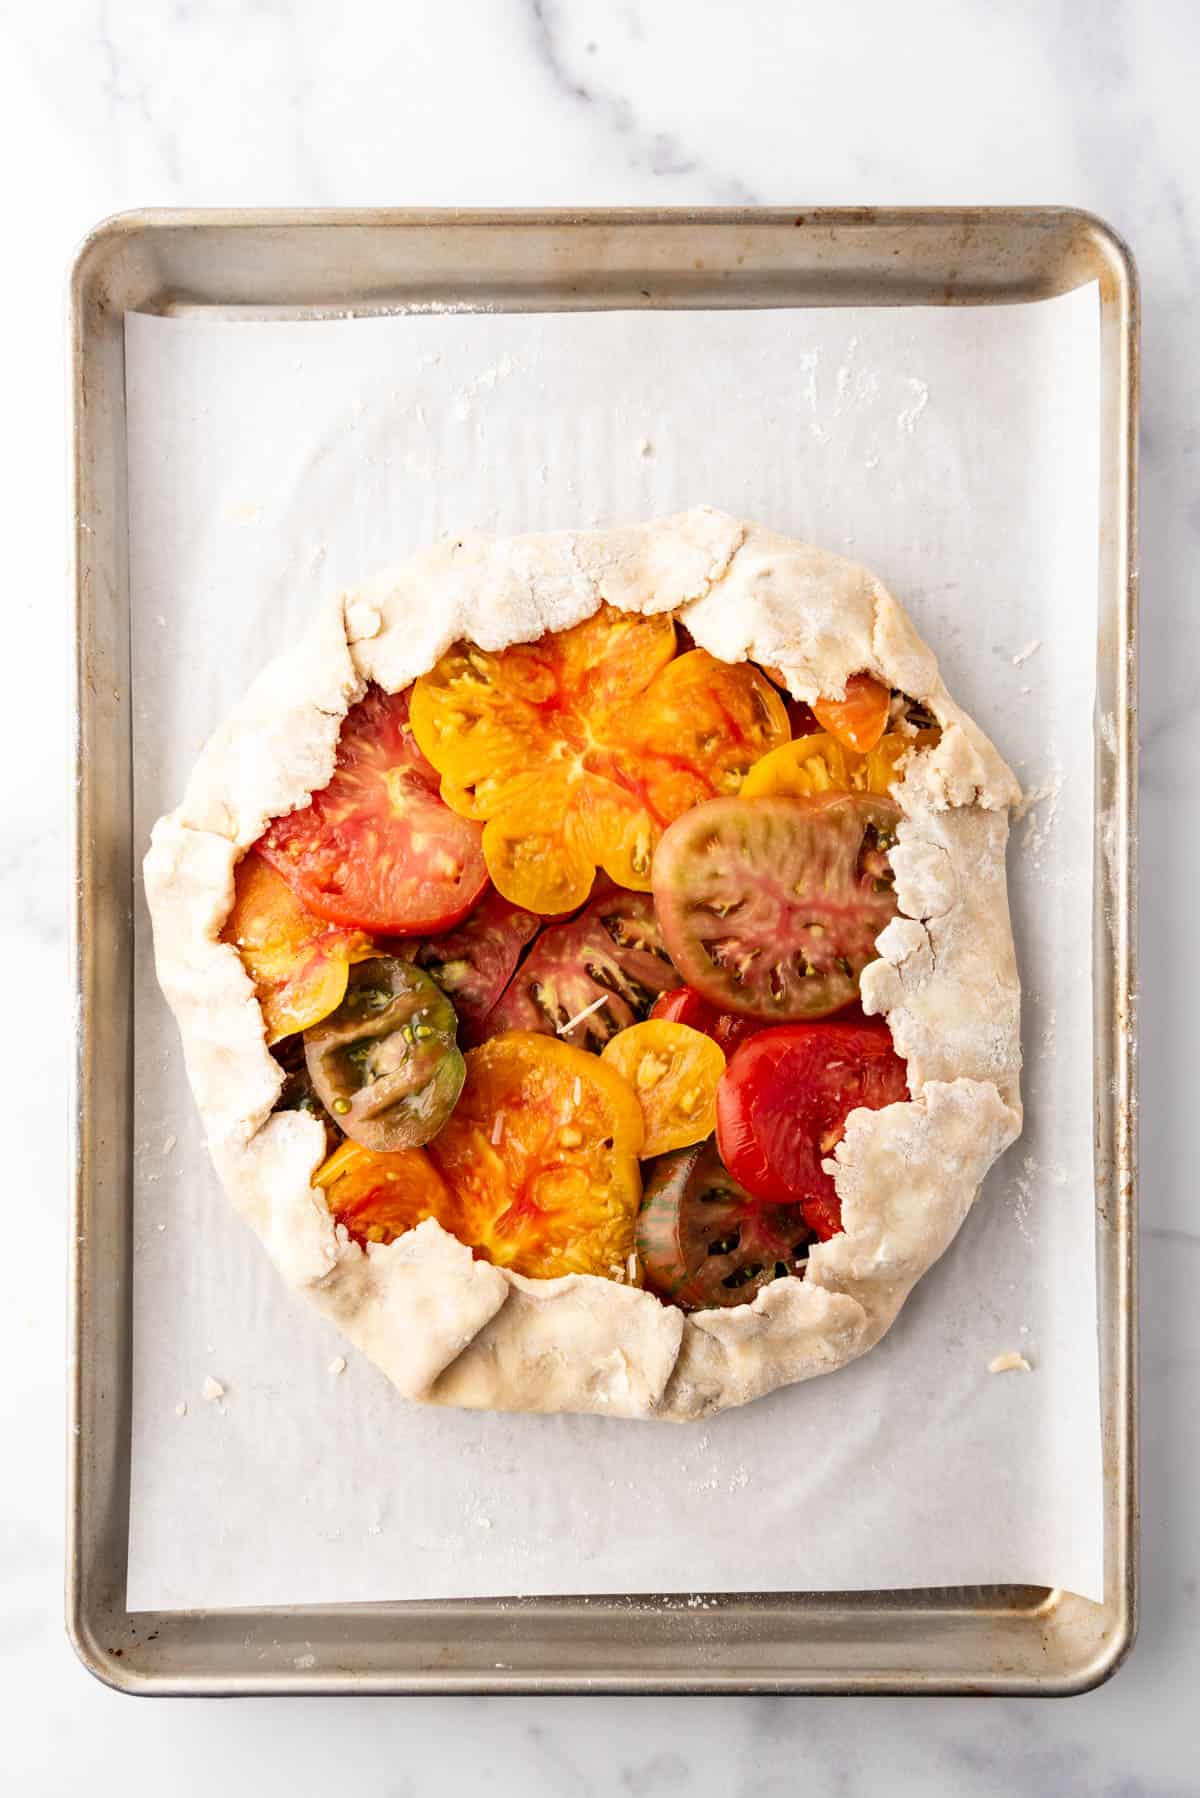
105 106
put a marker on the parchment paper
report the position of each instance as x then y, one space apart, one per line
955 452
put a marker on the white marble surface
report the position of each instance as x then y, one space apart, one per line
106 106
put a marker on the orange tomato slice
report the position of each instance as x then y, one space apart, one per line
378 1197
299 964
674 1071
541 1156
577 751
859 720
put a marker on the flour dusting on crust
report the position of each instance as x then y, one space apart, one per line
444 1327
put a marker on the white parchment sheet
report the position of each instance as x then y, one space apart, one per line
955 452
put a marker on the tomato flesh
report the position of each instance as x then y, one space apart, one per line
378 847
299 963
782 1106
770 907
674 1072
686 1006
378 1197
704 1241
541 1157
604 969
818 763
860 719
474 963
386 1063
578 750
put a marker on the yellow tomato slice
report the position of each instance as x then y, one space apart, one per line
577 751
536 852
807 765
298 963
541 1156
379 1197
819 764
674 1071
614 831
859 720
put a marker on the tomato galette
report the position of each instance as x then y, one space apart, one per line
593 963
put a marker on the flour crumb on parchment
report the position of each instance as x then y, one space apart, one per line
907 419
212 1390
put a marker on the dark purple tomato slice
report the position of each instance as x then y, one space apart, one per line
782 1105
704 1241
770 907
474 963
605 968
386 1064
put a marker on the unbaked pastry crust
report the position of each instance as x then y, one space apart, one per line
444 1327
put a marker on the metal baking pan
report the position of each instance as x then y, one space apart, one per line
307 263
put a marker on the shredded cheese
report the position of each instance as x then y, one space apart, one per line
1010 1363
497 1128
577 1091
566 1029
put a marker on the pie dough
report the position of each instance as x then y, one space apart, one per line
444 1327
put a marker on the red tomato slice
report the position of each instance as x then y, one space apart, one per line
782 1106
378 847
474 963
686 1006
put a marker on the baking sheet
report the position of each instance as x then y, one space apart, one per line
955 451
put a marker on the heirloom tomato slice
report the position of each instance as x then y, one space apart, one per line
579 749
378 847
696 733
298 963
820 764
770 907
541 1156
386 1063
674 1072
685 1006
474 962
782 1107
704 1241
860 719
590 977
379 1197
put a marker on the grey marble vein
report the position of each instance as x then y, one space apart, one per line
647 150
